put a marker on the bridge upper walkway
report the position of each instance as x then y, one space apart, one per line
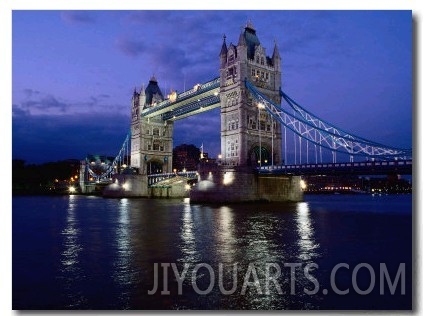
201 98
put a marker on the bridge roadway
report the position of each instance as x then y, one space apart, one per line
356 168
342 168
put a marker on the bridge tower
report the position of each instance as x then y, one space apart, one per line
249 137
151 139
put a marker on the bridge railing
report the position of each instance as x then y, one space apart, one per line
155 178
365 165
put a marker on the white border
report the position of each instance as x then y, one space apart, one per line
422 86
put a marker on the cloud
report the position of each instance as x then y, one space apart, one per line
78 17
40 103
44 138
130 47
30 92
18 111
45 103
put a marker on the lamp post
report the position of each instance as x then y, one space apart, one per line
272 143
260 106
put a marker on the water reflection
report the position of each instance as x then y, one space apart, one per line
260 238
188 246
224 234
71 270
124 249
306 241
123 275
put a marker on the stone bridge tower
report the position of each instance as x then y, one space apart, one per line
249 137
151 139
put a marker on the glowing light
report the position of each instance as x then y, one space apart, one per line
260 105
205 185
126 186
228 178
187 187
303 184
72 190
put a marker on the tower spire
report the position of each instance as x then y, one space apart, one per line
276 53
241 40
223 50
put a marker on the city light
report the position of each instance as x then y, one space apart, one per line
303 185
72 189
228 178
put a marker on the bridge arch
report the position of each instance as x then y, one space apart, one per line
259 152
154 166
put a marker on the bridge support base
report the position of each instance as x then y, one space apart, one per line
127 185
219 184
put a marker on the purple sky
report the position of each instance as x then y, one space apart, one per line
73 72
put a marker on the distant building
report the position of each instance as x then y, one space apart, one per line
186 157
351 183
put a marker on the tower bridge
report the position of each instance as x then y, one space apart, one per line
254 125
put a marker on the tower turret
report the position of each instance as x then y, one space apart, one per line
223 52
276 59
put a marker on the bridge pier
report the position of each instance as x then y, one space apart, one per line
222 184
127 185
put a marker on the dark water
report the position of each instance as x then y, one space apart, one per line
80 252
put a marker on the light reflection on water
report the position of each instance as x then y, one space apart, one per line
308 248
123 273
224 234
71 270
188 246
108 248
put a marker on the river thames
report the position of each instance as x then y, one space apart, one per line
330 252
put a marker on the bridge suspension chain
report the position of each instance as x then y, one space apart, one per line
323 134
118 161
122 154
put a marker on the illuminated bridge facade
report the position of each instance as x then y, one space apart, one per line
259 122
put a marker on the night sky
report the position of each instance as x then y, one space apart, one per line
74 72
